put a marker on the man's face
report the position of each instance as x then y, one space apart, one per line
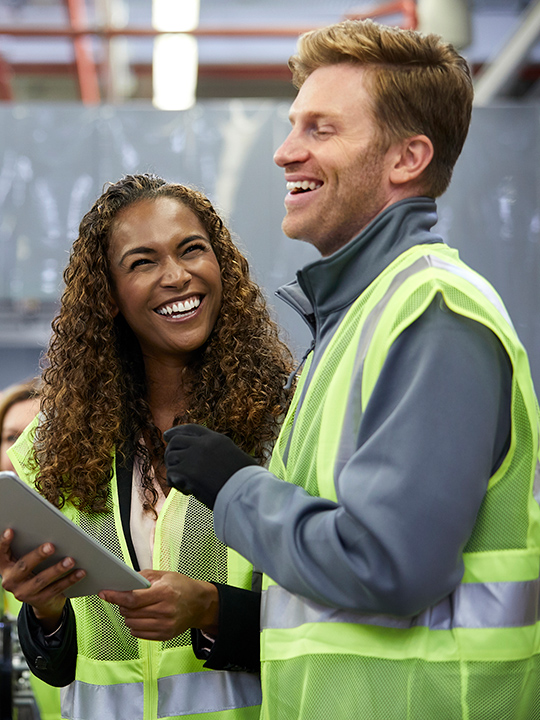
335 167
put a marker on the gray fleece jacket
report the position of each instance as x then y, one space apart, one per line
436 428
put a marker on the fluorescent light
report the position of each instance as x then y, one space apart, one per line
449 18
176 58
175 15
174 71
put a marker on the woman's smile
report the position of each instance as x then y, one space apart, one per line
179 309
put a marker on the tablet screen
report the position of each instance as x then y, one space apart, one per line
35 521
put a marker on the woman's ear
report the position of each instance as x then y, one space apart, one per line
412 156
114 307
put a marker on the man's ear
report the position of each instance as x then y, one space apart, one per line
411 158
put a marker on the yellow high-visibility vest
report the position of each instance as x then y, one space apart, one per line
120 677
476 654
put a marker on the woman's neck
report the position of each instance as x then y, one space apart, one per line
165 393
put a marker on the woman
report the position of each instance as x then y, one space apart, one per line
159 325
19 404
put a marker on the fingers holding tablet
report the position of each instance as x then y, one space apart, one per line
42 589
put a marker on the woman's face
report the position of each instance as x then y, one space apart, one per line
166 278
16 419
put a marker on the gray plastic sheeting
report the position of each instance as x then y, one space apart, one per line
55 159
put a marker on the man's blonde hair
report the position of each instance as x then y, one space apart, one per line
420 85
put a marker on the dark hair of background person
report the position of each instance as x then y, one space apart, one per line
13 394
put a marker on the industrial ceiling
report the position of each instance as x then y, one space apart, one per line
100 51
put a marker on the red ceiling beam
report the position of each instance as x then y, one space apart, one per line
109 32
86 68
6 92
406 7
274 71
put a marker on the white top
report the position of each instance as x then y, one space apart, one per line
143 523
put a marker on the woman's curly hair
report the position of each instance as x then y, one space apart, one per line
94 385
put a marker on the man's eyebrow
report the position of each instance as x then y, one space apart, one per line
313 115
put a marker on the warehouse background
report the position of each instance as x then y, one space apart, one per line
78 110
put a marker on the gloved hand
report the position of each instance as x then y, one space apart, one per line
199 461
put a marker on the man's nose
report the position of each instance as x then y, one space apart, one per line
291 150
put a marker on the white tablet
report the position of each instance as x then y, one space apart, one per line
36 521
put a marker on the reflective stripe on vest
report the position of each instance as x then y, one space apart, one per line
186 694
472 606
353 411
81 700
209 691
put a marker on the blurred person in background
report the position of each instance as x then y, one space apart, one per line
19 405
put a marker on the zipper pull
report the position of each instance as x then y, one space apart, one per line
294 373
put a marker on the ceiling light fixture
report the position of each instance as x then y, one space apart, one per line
175 58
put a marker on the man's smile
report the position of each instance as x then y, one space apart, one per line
303 186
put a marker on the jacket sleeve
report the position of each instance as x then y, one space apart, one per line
237 645
51 658
436 427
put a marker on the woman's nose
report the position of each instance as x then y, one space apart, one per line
175 274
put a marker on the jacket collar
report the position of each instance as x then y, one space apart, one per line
333 283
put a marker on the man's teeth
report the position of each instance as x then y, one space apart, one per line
303 185
180 307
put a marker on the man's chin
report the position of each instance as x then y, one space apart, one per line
293 232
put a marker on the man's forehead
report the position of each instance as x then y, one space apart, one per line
330 91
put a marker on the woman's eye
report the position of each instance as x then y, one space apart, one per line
139 262
194 247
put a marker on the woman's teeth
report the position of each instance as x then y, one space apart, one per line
179 307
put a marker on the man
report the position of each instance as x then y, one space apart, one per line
401 555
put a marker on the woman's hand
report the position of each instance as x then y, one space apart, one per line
173 604
42 590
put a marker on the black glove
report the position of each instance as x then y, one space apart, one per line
200 461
